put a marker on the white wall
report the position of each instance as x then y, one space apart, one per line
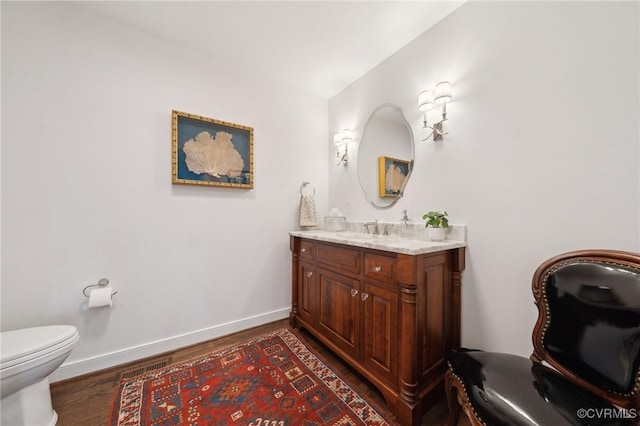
87 193
543 151
543 131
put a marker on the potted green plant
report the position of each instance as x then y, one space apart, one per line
436 224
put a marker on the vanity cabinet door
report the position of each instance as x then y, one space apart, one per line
307 293
339 310
381 331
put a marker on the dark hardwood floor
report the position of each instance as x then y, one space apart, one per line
86 400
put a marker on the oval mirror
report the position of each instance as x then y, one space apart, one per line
385 156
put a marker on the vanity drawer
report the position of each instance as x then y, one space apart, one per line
306 250
381 268
341 257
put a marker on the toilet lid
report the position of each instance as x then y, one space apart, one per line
23 342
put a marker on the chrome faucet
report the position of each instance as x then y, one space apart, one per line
404 218
375 228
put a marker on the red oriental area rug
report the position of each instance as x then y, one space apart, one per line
271 380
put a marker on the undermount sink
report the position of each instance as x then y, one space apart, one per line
363 236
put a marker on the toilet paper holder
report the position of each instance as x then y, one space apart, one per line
101 283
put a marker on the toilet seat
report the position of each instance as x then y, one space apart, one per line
24 345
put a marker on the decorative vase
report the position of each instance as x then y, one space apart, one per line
436 234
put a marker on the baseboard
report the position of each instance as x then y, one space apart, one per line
90 365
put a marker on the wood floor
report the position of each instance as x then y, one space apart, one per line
85 400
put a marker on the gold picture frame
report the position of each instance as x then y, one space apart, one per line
392 176
211 152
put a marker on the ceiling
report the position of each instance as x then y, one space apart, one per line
317 46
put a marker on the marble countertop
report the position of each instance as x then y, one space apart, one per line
392 243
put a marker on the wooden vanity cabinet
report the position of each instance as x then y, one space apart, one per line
393 317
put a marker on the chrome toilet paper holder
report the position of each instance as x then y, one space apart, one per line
103 282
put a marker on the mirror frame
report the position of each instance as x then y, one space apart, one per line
363 139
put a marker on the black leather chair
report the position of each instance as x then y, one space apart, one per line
585 366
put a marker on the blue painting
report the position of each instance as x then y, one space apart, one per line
211 152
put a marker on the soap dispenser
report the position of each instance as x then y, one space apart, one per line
404 225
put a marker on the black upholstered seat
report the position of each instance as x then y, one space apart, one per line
588 330
511 390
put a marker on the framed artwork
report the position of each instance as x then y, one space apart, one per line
211 152
392 176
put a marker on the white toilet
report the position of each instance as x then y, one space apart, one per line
27 357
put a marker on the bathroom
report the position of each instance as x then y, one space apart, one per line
542 157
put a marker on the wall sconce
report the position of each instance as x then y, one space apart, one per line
339 139
427 100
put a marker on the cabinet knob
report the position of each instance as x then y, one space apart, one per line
309 274
302 250
364 296
377 268
354 292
